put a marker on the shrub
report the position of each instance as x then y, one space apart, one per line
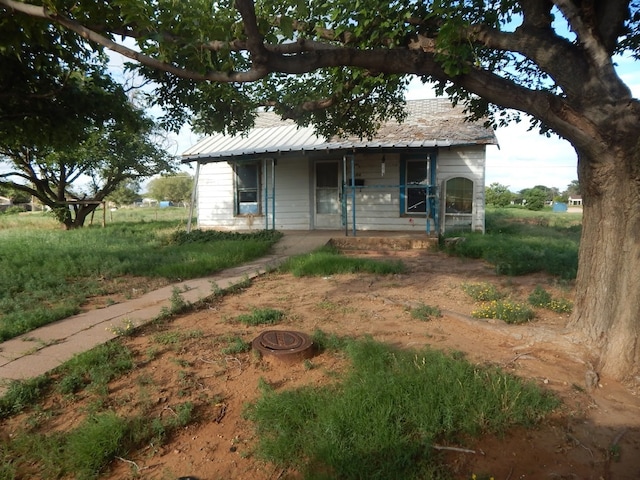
543 299
560 305
508 311
425 312
182 237
94 443
329 261
23 393
518 242
539 297
482 292
236 345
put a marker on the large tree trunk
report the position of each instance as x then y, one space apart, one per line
607 303
76 215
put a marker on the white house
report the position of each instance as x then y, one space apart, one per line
424 174
575 200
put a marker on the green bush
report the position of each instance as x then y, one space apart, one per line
236 345
508 311
482 292
91 446
85 451
560 305
96 366
541 298
425 312
182 237
23 393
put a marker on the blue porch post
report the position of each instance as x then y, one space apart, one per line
353 193
273 193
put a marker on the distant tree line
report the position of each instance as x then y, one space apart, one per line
499 195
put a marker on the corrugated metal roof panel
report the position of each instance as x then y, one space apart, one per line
258 140
429 123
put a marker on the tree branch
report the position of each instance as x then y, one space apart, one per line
557 57
537 14
255 41
584 29
585 25
97 38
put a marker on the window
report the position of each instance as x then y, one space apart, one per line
459 196
247 188
416 181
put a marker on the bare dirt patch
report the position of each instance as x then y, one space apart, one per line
595 435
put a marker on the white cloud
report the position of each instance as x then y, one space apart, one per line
526 159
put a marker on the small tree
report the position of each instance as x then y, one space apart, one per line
498 195
126 193
173 188
114 152
534 198
68 133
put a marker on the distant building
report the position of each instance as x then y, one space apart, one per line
575 200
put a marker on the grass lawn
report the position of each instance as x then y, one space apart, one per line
519 241
48 273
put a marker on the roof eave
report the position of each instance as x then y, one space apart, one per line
334 147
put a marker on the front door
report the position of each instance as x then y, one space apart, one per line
327 201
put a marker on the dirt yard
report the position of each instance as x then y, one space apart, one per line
595 435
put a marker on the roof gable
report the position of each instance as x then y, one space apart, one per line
429 123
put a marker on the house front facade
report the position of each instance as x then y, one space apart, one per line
426 174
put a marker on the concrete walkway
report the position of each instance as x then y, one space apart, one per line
45 348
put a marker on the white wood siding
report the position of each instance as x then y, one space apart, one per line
467 162
292 197
215 196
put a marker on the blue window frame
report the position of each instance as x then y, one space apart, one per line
417 177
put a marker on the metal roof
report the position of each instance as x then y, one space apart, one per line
429 123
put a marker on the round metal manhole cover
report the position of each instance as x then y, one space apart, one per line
284 344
